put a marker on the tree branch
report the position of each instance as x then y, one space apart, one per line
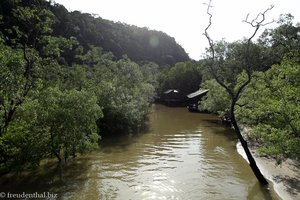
256 24
212 50
210 41
235 96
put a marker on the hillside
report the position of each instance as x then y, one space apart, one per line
139 44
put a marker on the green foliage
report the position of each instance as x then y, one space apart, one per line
276 142
54 46
21 148
49 107
28 25
217 99
271 106
184 77
231 59
270 103
71 117
17 78
124 90
283 40
60 123
150 73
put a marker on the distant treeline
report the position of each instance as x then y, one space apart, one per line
139 44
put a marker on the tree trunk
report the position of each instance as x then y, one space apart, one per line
53 150
251 160
57 156
256 23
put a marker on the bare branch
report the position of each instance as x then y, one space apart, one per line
256 24
212 49
210 41
235 95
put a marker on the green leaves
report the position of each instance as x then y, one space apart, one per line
217 99
71 116
271 102
57 96
30 24
19 77
60 123
124 95
54 46
283 40
271 105
184 76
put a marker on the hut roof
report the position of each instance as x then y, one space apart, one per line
197 93
170 91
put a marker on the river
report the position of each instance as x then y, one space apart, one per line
183 155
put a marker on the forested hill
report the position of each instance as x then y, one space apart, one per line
139 44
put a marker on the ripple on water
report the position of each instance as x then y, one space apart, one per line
184 156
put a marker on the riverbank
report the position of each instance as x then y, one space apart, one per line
285 177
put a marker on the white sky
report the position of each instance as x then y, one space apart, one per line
185 20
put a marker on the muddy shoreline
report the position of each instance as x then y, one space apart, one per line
284 177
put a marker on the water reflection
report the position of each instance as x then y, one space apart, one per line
183 156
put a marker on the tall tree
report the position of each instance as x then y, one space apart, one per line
217 65
21 63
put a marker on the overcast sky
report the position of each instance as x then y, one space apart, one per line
185 20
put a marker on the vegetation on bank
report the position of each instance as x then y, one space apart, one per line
58 97
270 103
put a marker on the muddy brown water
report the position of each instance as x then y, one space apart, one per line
183 155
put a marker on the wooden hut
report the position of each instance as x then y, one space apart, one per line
194 98
172 97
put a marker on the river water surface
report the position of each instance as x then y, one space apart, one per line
183 156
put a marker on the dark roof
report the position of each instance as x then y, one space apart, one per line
197 93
